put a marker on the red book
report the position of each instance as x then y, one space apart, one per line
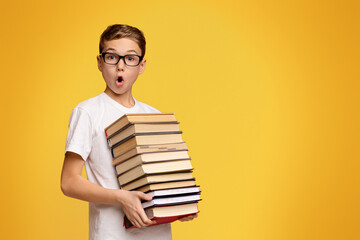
166 214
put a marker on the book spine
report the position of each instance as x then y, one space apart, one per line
120 130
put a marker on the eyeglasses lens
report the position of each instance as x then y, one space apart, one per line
113 59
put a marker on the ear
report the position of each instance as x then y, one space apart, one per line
99 62
142 66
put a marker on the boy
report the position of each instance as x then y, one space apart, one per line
121 60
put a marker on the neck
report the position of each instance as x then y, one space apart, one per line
126 99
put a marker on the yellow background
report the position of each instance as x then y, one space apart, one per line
267 93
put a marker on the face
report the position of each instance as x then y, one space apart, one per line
120 78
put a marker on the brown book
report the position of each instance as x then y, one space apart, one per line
171 210
138 117
158 178
166 185
149 157
155 168
146 139
122 156
132 128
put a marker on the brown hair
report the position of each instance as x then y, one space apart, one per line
118 31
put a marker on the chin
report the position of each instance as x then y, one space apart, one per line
120 91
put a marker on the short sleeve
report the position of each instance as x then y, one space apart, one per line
79 138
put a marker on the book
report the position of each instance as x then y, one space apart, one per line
165 185
149 157
174 200
120 155
174 191
136 117
145 139
132 128
153 168
158 178
167 214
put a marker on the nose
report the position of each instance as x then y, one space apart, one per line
120 65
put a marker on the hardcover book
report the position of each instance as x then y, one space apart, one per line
143 117
120 154
149 158
174 200
145 139
160 178
174 191
166 185
154 168
132 128
167 214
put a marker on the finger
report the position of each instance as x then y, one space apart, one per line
145 218
188 218
184 219
139 222
135 223
135 219
144 196
146 221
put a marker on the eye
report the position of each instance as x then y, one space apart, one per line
110 56
130 58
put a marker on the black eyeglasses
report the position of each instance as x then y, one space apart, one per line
131 60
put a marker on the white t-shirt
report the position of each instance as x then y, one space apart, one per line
86 137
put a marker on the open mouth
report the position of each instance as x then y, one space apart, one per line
120 79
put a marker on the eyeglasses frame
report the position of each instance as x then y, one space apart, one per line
121 57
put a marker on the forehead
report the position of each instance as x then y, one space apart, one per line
122 45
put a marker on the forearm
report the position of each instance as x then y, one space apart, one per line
76 186
80 188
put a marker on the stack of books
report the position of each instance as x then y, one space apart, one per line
150 156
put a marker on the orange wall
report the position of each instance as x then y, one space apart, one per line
267 93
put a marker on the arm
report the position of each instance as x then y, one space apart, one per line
76 186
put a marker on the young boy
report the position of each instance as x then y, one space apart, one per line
121 60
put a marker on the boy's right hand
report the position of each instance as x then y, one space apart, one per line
131 204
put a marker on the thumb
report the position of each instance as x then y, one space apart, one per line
144 196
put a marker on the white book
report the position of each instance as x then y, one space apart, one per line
173 191
171 200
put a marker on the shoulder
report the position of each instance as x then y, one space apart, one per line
89 103
88 111
91 106
143 107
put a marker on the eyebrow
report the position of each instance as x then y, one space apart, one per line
131 51
128 51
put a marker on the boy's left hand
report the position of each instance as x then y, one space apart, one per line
188 218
